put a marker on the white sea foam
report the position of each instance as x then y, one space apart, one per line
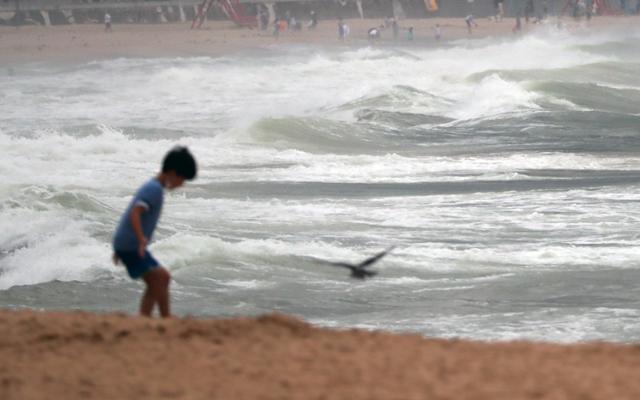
182 250
113 160
186 94
42 246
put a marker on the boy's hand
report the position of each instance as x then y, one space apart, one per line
136 223
142 246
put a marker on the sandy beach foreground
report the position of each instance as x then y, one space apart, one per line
75 355
81 43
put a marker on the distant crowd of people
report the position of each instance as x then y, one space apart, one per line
390 23
289 23
375 33
576 8
531 11
588 8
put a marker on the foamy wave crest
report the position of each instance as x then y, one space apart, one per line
181 251
540 50
519 258
481 101
109 159
88 161
592 96
290 166
39 246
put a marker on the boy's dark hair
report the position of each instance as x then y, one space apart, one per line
180 160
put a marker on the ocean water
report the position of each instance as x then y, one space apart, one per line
505 171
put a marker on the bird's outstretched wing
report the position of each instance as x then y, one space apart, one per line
339 264
372 260
359 270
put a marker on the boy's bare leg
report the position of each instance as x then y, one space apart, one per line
147 302
157 281
163 293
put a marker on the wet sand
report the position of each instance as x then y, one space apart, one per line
77 43
75 355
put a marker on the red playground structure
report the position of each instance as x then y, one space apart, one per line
233 9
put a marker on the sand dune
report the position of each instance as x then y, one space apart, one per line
75 355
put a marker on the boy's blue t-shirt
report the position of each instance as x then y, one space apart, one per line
150 196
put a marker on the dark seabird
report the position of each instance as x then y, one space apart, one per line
359 271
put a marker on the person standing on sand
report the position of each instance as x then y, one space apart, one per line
499 6
107 22
313 20
137 224
437 31
264 19
588 9
373 34
528 10
346 30
287 17
623 6
470 20
395 27
283 25
518 27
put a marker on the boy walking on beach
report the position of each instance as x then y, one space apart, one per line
137 224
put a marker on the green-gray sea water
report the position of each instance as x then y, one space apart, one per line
506 172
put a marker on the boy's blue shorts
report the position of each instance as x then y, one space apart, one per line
137 266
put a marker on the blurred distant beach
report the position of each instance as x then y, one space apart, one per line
88 42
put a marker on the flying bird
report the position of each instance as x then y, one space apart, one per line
359 271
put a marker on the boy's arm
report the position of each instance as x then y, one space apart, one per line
136 222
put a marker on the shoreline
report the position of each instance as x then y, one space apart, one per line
78 355
84 43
